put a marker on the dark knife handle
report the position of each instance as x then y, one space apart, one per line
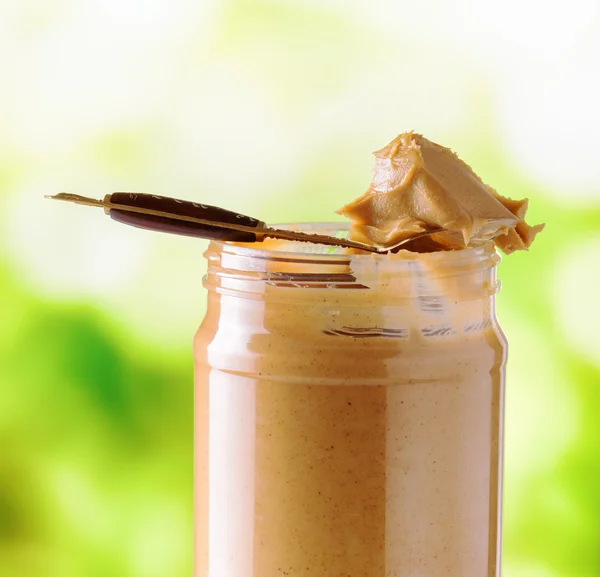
184 208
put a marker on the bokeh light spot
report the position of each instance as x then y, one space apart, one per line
575 290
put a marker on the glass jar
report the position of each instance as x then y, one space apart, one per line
348 413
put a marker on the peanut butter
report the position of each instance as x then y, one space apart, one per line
348 414
349 406
419 186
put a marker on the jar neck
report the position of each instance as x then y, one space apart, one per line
298 272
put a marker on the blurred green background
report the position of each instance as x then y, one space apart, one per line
271 108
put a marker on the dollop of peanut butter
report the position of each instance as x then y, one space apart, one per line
419 186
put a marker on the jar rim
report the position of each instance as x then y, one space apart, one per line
294 250
253 271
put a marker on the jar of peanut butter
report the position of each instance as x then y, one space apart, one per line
348 413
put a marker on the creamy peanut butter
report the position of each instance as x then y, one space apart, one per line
348 414
349 406
419 186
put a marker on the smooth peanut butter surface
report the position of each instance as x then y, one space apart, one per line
419 186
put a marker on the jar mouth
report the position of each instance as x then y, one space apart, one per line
290 250
277 267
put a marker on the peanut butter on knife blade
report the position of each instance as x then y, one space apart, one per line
418 186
